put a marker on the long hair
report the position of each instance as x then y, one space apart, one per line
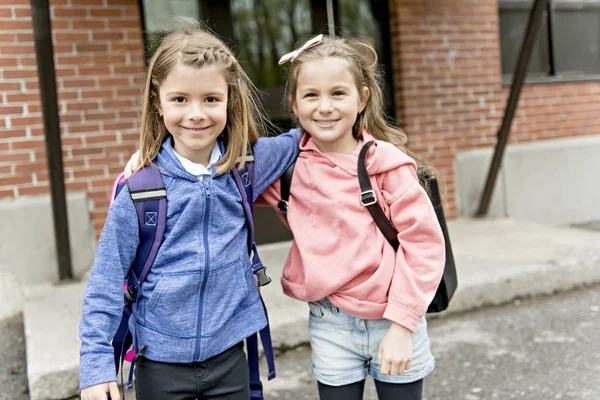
196 47
363 65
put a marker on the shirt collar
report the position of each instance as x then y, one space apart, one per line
199 169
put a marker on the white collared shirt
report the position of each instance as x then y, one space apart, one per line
200 170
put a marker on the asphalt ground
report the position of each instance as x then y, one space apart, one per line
13 377
535 349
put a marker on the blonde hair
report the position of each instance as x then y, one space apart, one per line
196 47
363 65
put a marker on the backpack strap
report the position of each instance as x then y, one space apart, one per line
285 185
149 196
244 179
448 283
369 199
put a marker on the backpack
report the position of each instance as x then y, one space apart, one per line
149 196
368 198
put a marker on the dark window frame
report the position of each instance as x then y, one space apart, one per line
554 77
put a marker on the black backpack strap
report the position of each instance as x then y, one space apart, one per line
286 183
369 199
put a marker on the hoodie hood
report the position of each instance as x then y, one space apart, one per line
382 156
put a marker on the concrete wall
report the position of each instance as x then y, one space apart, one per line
28 250
552 182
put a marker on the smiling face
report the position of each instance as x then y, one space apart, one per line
193 103
327 103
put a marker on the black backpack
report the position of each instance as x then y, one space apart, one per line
448 284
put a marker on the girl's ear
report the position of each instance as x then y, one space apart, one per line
294 108
365 94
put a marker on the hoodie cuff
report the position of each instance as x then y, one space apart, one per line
402 315
96 368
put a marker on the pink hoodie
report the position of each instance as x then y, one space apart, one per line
338 250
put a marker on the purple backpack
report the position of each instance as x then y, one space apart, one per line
149 196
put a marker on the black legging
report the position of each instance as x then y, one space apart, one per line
385 391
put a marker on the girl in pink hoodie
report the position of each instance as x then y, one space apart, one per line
367 302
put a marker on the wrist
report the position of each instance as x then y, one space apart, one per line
400 328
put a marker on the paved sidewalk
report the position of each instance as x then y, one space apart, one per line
497 261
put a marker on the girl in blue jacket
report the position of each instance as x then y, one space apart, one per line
199 300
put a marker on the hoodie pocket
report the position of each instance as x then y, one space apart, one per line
173 305
226 288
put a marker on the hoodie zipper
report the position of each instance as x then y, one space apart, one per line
206 268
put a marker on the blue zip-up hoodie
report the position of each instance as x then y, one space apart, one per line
200 297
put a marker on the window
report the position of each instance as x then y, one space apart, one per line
261 31
568 42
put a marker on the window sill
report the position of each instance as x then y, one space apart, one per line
550 80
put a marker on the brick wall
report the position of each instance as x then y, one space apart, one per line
449 87
446 70
99 66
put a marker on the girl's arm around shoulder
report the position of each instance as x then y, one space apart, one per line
103 297
421 257
272 156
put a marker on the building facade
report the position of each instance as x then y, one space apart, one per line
448 66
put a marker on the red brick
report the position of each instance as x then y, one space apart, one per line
13 156
108 36
22 12
91 48
80 106
97 94
71 37
20 98
82 128
78 83
13 25
106 12
13 133
74 60
111 59
125 24
68 13
104 138
7 193
94 71
30 167
34 190
8 61
23 37
15 180
19 73
91 25
17 49
87 151
27 144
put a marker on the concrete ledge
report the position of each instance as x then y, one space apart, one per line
553 182
497 261
51 318
11 297
28 248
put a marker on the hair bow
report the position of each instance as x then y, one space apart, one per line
291 56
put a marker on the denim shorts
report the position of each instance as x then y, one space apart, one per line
345 348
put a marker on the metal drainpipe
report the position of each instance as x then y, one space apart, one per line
535 21
42 32
330 18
